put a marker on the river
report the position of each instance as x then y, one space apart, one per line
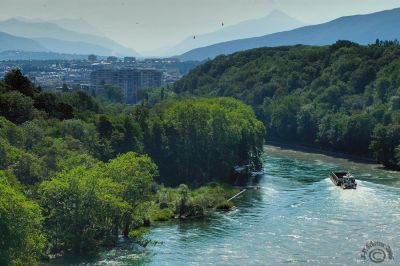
297 217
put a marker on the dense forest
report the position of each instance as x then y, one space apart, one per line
343 97
77 171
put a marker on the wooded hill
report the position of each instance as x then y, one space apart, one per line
344 97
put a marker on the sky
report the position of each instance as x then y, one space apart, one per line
147 25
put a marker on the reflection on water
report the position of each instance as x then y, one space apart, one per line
297 217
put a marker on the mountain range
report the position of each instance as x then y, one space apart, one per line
363 29
276 21
77 37
50 36
25 55
10 42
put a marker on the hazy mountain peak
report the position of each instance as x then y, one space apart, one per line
275 21
277 13
78 25
59 39
363 29
10 42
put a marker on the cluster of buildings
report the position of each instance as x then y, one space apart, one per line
93 73
130 80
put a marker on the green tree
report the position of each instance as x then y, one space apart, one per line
385 140
307 123
26 167
203 139
83 210
358 133
15 80
135 173
81 101
283 117
16 107
104 127
112 93
132 137
53 106
22 240
65 88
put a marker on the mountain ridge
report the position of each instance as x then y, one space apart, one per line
38 29
358 28
275 21
8 41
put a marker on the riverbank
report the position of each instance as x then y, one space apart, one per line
183 202
296 217
321 151
167 205
363 168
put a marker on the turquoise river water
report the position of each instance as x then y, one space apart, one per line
297 218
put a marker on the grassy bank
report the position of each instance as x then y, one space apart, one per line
184 203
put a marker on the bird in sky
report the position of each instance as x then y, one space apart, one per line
222 24
194 37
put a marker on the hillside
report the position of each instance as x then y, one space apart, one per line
69 47
64 37
78 25
363 29
10 42
276 21
344 97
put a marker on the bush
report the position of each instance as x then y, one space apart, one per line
224 206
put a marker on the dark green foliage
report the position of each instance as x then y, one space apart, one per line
196 141
332 96
104 127
385 140
16 107
15 80
112 93
51 104
81 101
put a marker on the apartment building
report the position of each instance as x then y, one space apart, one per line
129 80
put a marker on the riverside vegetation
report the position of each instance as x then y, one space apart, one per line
77 171
344 97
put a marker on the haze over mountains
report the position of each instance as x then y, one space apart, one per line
10 42
275 21
363 29
78 25
49 36
77 37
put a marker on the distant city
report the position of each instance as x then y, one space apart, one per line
92 73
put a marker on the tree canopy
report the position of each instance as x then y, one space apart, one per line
197 141
77 171
337 97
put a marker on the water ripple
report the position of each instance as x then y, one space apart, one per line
297 218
